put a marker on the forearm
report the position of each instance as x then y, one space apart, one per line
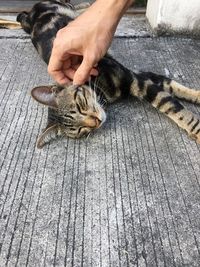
111 10
118 7
104 15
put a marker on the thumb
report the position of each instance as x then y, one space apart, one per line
83 72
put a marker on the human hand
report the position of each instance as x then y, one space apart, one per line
79 46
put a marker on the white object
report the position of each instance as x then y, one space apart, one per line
179 16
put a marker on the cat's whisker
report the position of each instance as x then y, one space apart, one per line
102 100
95 84
88 135
90 83
95 87
103 105
98 98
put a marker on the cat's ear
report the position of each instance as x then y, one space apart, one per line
45 95
50 133
23 18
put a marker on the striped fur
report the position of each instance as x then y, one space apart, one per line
75 111
161 96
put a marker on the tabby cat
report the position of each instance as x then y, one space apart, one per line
75 111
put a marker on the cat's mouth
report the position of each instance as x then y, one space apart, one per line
101 119
95 122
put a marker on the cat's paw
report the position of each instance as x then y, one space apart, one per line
195 96
198 98
195 137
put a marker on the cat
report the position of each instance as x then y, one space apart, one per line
75 111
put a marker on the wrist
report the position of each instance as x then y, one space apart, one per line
120 6
116 6
110 11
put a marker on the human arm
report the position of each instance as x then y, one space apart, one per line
82 43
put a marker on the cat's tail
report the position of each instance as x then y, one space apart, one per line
23 18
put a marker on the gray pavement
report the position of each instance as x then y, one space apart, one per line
127 196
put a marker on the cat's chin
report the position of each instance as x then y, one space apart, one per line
102 117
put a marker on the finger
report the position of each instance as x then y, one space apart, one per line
69 73
75 67
57 74
59 70
83 72
67 64
94 72
68 68
55 65
76 60
61 79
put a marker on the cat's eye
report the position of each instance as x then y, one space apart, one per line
82 103
81 99
80 109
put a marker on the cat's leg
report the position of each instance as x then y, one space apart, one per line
172 87
171 107
182 91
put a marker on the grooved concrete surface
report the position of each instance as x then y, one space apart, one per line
127 196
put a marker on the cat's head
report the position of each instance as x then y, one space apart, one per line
73 111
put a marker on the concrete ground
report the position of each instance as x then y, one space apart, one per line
127 196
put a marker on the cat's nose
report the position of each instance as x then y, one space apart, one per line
92 122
